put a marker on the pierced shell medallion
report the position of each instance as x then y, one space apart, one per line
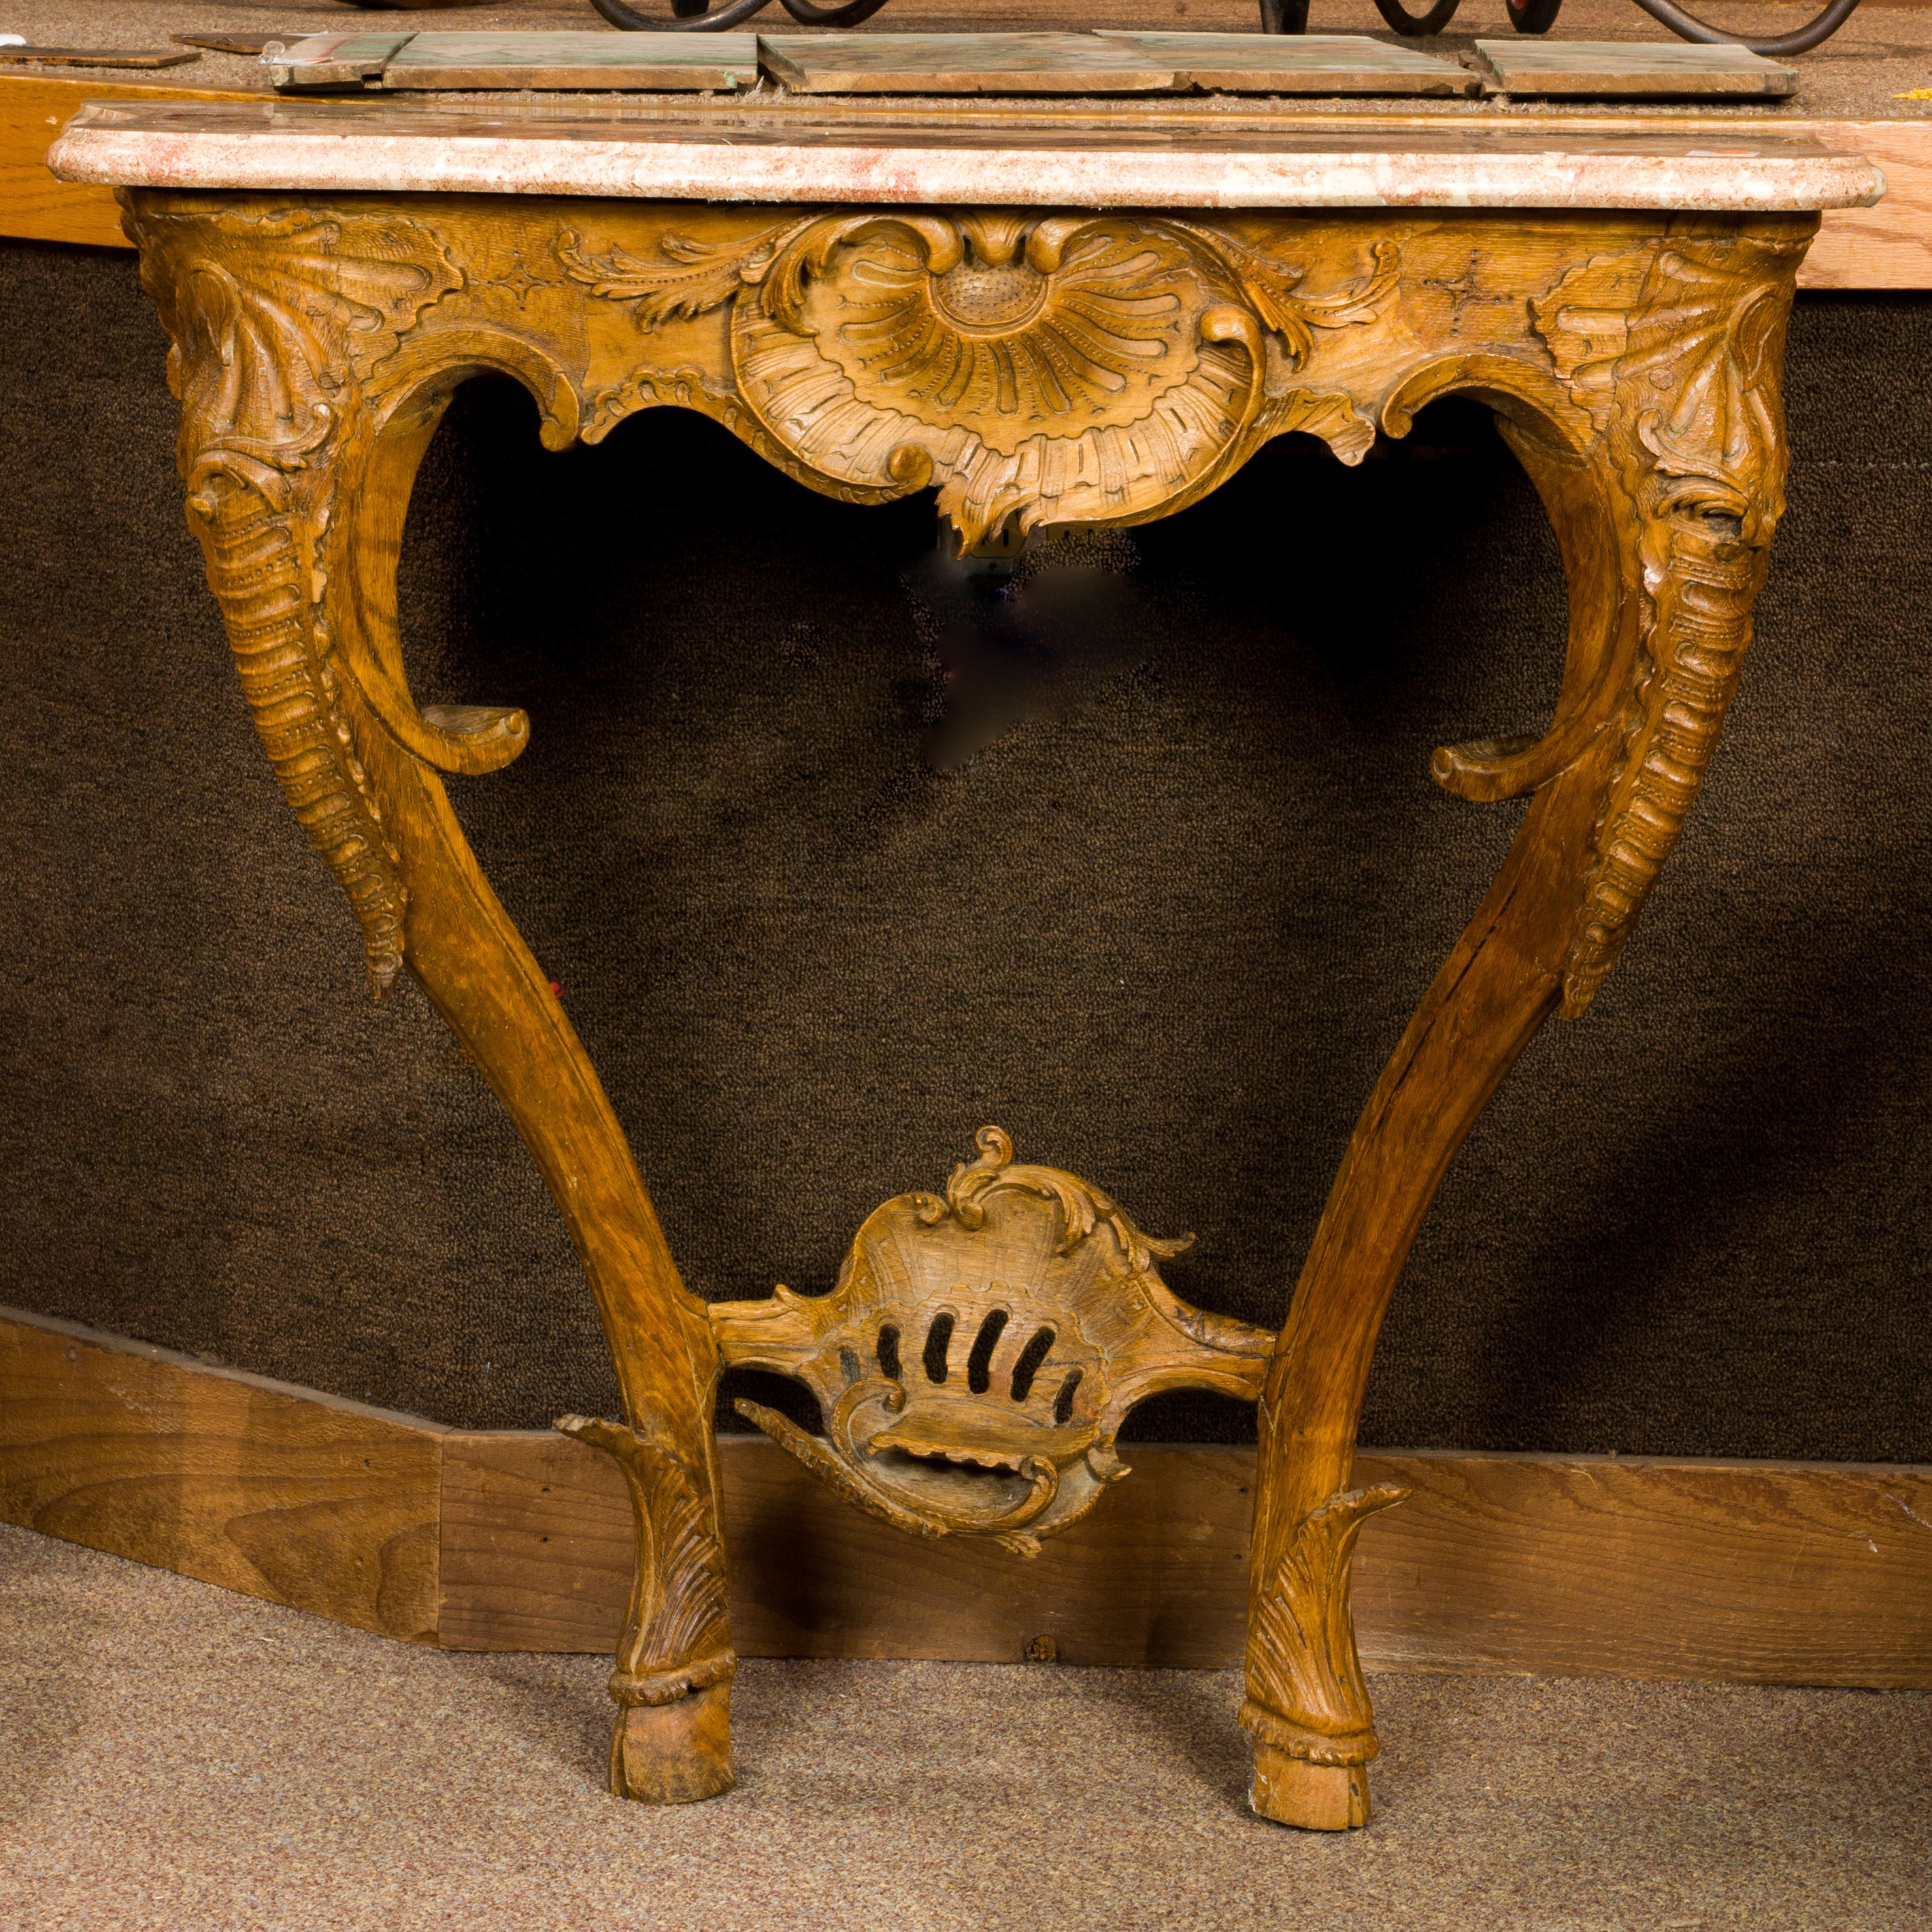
981 1349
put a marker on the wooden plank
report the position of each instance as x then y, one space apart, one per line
871 63
1889 246
1581 1566
1313 64
537 1556
283 1493
1589 1566
631 63
1756 1573
33 206
149 58
1601 70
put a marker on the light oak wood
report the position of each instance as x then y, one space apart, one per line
1579 1566
1035 369
1772 1572
981 1350
1890 246
301 1498
33 205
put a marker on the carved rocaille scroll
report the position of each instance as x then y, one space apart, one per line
1055 369
981 1350
1035 367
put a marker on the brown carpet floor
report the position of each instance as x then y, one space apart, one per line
174 1757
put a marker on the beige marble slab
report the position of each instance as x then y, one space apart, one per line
732 155
927 64
1313 64
1599 70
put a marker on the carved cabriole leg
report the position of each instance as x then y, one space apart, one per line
1101 369
298 461
1665 516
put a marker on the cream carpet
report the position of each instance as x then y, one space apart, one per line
174 1757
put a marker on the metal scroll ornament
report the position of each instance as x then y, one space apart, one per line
981 1349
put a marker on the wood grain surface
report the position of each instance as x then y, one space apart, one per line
1590 1566
1749 1573
283 1493
1887 247
33 206
1890 246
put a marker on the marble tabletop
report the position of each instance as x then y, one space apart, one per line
720 153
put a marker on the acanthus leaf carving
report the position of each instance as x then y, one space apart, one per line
1301 1643
274 323
1055 369
1584 321
691 278
676 1639
1697 435
1275 290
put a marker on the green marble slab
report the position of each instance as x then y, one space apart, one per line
1296 63
1599 70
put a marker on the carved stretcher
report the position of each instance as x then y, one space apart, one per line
1049 320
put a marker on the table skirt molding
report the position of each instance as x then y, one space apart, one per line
1742 1572
1035 368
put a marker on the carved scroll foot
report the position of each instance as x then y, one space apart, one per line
1316 1797
675 1753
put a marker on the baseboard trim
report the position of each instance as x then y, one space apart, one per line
1768 1572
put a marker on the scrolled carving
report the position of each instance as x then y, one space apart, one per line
1697 436
982 1349
1055 368
274 322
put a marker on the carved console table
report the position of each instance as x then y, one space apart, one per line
1050 321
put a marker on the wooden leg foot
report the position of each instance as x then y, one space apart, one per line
1316 1797
674 1753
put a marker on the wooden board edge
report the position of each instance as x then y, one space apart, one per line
1702 1569
316 1501
35 207
1500 1563
148 1352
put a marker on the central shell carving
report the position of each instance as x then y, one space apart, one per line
1009 348
981 1349
1069 369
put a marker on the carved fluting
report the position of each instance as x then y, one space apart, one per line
676 1639
981 1349
273 321
1696 432
1301 1640
1052 369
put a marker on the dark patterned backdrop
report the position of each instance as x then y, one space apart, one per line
1151 873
